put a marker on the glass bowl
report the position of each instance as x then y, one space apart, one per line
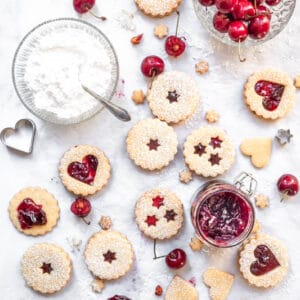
281 14
29 44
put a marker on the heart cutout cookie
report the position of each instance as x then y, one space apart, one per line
259 149
21 137
266 261
220 283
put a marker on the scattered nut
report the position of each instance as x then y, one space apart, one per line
105 222
161 31
196 244
138 97
97 285
256 227
261 201
185 176
136 39
158 290
212 116
297 82
201 67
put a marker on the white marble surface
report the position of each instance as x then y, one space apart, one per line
221 89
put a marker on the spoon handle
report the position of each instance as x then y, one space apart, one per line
119 112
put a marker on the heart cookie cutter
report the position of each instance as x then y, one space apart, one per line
26 146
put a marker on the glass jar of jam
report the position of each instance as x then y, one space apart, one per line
222 214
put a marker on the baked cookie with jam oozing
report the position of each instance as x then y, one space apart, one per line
263 261
46 268
208 151
173 96
34 211
152 144
270 94
159 214
109 254
84 170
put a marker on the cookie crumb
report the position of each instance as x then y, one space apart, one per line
138 97
201 67
185 176
97 285
158 290
212 116
261 201
105 222
256 227
196 244
297 82
161 31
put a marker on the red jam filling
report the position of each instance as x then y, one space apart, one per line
153 144
30 214
158 201
85 171
109 256
199 149
266 261
151 220
173 96
271 92
170 215
215 142
223 216
215 159
46 268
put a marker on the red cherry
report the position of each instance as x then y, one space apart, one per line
83 6
207 2
174 46
152 66
258 2
237 31
176 259
243 10
263 10
225 6
288 184
273 2
81 207
259 27
221 22
118 297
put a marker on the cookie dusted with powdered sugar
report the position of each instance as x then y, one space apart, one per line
46 268
270 94
152 144
157 8
159 214
209 151
173 97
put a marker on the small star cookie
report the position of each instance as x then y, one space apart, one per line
261 201
212 116
185 176
138 97
201 67
161 31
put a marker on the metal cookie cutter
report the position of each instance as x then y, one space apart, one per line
246 182
21 144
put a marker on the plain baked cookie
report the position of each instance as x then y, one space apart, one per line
34 211
46 268
159 214
152 144
208 151
173 97
84 170
157 8
270 94
109 254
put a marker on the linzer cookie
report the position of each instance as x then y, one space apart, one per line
159 214
173 97
263 261
152 144
109 255
84 170
34 211
270 94
158 8
180 289
46 268
208 151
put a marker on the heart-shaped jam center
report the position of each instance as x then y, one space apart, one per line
30 214
271 93
266 261
85 171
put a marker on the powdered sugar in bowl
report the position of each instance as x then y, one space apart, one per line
54 59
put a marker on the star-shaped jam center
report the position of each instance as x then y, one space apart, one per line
215 142
170 215
199 149
109 256
158 201
173 96
47 268
153 144
151 220
215 159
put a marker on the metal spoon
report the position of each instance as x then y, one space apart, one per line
119 112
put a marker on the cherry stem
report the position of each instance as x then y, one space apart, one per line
151 80
177 24
102 18
86 221
255 5
154 250
284 196
240 55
